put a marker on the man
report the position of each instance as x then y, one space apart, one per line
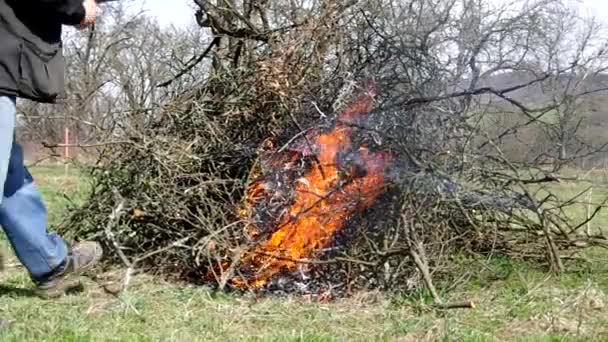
32 67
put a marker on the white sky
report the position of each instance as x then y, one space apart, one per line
599 8
167 12
180 12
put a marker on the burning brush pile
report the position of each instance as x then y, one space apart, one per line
321 213
306 193
286 171
329 210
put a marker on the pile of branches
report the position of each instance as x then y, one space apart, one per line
167 197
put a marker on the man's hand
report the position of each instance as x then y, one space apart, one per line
91 11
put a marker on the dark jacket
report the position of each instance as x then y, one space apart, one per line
31 57
31 61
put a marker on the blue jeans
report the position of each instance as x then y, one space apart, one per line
23 215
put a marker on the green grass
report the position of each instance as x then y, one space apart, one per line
589 190
514 302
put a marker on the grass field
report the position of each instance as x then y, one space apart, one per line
514 302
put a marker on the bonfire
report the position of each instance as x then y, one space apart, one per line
341 181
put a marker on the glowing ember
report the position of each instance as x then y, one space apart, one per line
325 198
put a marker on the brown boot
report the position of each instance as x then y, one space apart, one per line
81 258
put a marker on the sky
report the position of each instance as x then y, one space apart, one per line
597 7
167 12
180 12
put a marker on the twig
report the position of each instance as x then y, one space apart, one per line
114 217
199 59
457 305
294 138
589 199
424 269
319 110
161 250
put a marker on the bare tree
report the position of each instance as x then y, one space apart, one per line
113 73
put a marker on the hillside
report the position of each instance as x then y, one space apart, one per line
580 125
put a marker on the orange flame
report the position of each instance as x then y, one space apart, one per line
326 197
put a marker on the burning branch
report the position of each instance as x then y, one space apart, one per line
325 198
